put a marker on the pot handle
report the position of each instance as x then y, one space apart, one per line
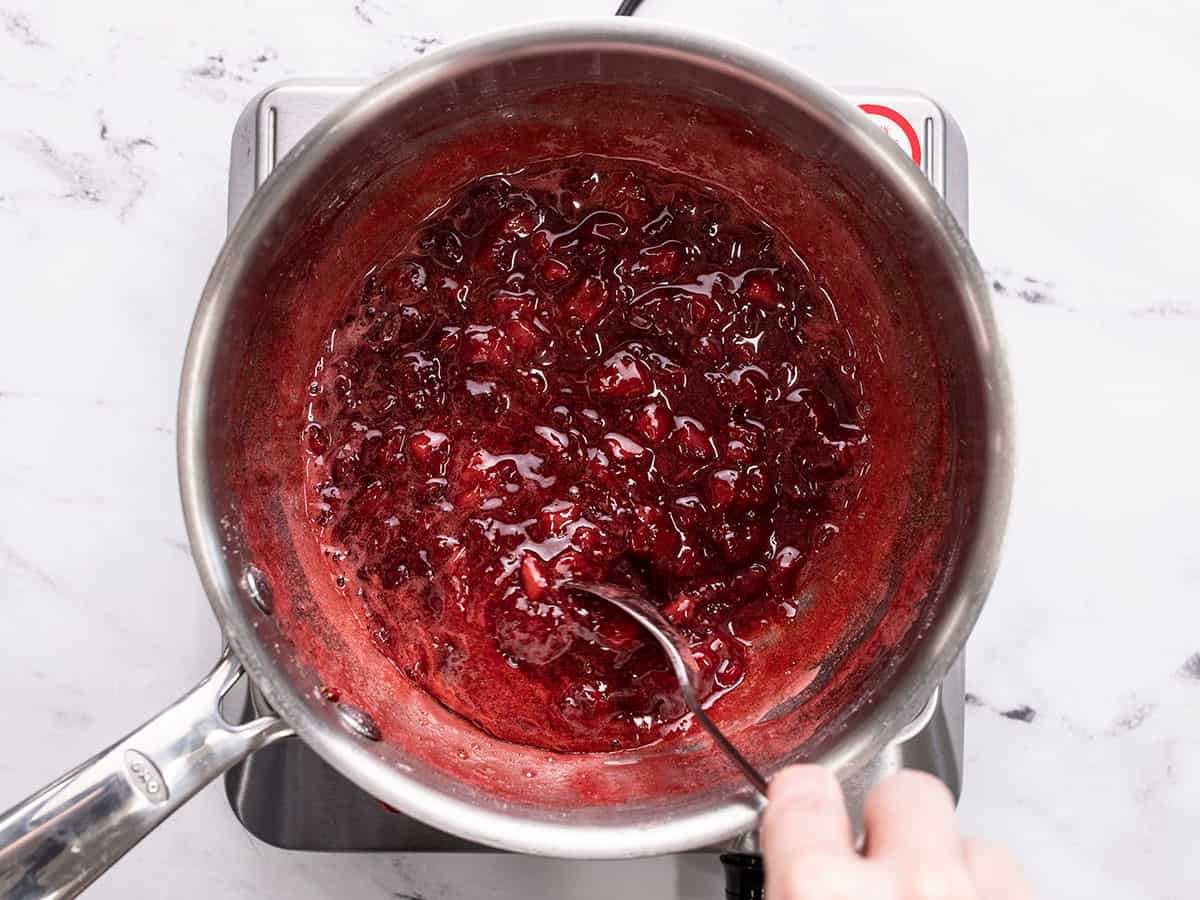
58 841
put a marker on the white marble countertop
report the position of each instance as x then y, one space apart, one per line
1083 735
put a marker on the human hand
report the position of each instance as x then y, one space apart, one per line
913 849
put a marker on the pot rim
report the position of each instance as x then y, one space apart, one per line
869 728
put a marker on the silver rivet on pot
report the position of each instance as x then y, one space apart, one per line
359 722
259 589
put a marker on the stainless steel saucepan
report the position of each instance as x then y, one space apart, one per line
60 839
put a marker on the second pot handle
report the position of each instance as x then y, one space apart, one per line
58 841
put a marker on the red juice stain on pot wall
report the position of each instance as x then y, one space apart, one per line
589 363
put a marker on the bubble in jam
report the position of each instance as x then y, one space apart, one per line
588 369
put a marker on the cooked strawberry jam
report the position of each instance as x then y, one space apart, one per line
586 369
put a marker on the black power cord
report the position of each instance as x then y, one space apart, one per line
628 7
744 876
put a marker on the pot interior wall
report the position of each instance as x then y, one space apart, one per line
867 603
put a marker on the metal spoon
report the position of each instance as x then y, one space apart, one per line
683 664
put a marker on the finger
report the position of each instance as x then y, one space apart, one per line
995 872
832 877
806 812
911 828
910 814
806 835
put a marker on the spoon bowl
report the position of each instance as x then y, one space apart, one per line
679 655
